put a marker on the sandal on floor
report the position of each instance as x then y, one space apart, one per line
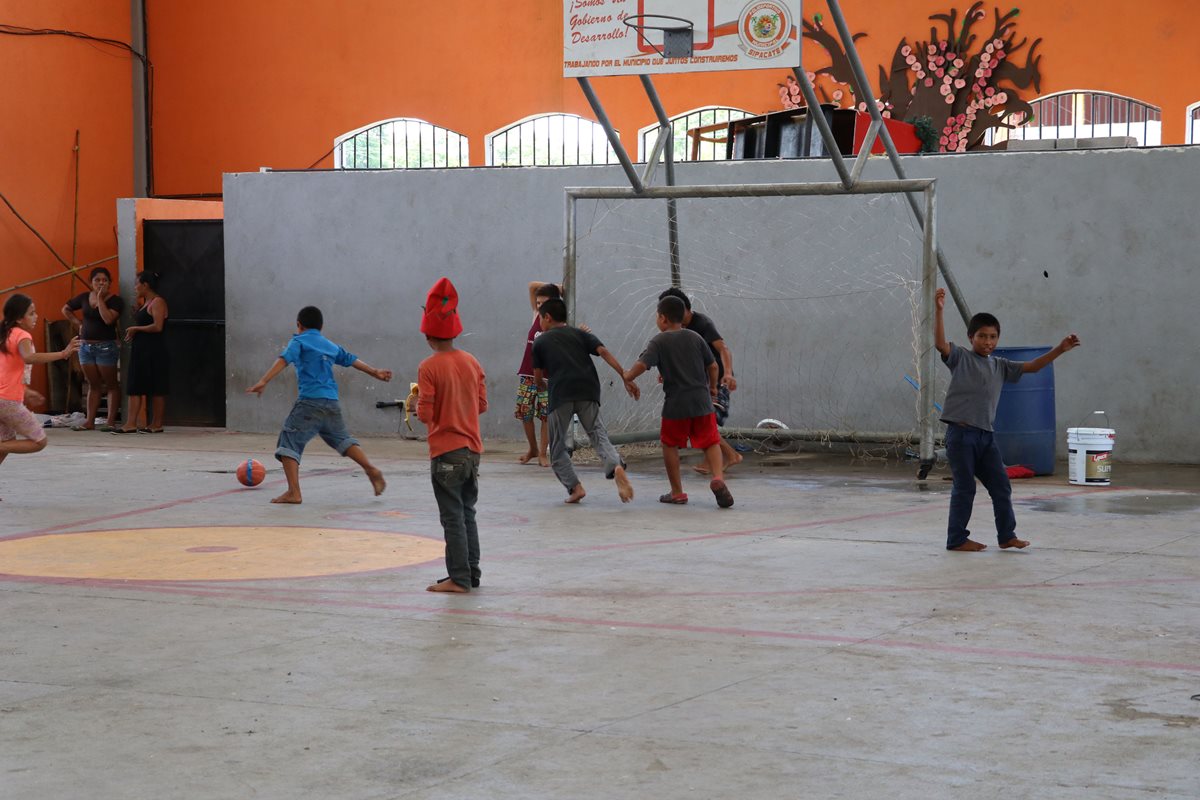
117 431
81 428
674 499
721 492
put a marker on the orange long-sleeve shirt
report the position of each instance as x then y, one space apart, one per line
452 393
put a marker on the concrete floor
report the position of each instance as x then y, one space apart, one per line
813 641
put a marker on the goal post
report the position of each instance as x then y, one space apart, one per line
641 258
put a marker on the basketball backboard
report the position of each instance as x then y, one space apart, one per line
635 37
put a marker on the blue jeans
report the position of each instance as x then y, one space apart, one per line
972 454
102 354
456 486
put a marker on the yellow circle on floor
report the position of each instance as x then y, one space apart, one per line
212 553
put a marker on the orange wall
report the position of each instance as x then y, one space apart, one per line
54 86
244 84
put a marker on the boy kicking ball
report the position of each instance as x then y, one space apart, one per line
689 376
969 411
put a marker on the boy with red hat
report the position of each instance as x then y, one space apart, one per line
451 394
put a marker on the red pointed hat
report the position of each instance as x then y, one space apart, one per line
441 311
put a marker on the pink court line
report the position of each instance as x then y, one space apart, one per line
817 523
741 633
159 507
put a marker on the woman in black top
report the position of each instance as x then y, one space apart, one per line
99 348
148 364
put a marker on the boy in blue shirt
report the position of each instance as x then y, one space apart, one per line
316 410
976 379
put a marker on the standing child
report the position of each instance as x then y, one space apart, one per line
976 378
565 353
689 376
726 382
316 410
16 350
531 401
451 394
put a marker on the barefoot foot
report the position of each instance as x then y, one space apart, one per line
1020 544
576 494
290 498
447 585
377 481
543 460
525 459
624 488
969 546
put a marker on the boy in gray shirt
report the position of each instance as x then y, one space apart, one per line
689 377
976 378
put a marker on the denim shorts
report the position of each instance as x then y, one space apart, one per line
310 417
102 354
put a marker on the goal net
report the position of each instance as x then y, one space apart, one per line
818 298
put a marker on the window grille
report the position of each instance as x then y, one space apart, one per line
550 140
1086 115
697 135
401 143
1193 124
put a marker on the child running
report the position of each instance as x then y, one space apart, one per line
689 376
531 401
316 410
20 432
565 353
451 394
969 411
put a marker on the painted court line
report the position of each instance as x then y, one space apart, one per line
733 632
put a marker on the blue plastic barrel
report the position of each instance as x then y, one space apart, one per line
1025 424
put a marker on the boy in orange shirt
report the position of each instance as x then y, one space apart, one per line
451 394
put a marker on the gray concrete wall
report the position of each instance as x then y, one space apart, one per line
1101 243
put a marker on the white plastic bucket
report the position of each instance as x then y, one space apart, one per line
1089 456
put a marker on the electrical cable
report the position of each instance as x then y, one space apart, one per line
18 30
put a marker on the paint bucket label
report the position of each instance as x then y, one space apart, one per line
1089 456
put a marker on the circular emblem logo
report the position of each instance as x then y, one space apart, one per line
764 27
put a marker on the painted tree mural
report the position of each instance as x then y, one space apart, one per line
964 85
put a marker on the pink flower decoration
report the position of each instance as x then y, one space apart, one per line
962 118
987 73
950 99
945 140
812 76
887 115
929 83
998 43
940 60
1002 97
838 95
990 47
906 51
999 54
941 73
911 60
960 83
932 50
958 62
989 91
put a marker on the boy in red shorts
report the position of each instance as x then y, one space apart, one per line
689 376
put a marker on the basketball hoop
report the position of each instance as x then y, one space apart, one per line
678 38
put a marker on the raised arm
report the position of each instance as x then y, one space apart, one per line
611 360
30 356
384 375
275 369
1039 363
107 314
533 287
939 326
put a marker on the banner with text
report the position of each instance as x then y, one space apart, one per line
603 37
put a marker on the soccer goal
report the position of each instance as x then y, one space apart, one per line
825 295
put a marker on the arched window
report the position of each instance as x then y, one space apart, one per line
1193 124
698 135
549 140
400 143
1081 114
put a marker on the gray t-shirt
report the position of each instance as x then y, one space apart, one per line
682 358
975 384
